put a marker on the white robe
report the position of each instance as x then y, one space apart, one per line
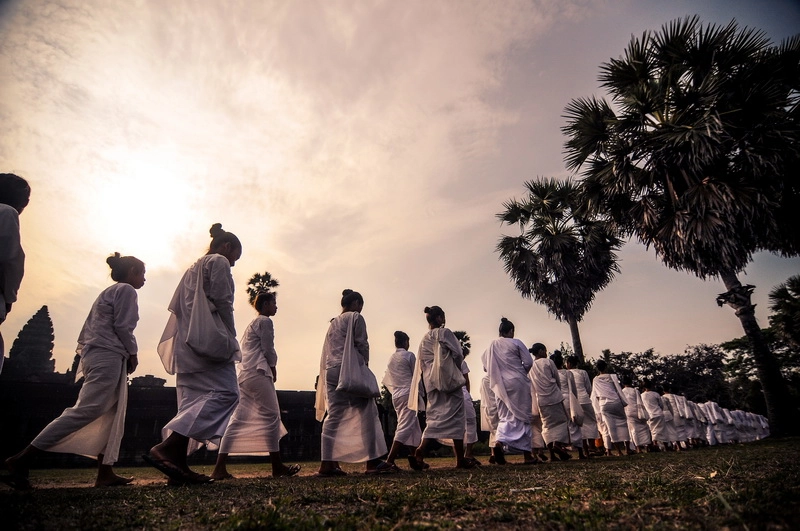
654 407
507 362
637 417
489 417
398 377
445 411
207 390
572 405
610 405
255 427
584 387
351 430
554 416
96 423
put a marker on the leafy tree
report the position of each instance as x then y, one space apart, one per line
562 256
697 156
464 340
785 305
260 283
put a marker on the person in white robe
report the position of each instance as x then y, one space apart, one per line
636 415
489 416
538 446
351 428
672 441
708 414
609 403
583 384
507 362
14 196
108 352
397 380
470 417
570 393
654 406
555 417
255 427
678 417
438 366
202 355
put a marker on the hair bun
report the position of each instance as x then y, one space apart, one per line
346 292
216 230
503 320
113 259
427 309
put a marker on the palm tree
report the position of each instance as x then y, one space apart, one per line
562 256
696 155
464 341
260 283
785 305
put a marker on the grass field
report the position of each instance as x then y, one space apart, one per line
753 486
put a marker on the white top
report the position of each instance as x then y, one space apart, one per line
605 387
400 372
653 404
111 322
258 348
583 385
544 377
214 270
507 362
337 334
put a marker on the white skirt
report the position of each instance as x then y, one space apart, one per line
206 401
351 431
255 427
408 431
96 423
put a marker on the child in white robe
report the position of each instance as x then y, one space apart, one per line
202 358
108 353
398 377
255 427
14 196
351 430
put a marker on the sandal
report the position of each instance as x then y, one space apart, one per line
499 455
288 472
177 475
335 472
417 464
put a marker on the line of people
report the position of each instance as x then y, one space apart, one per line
530 403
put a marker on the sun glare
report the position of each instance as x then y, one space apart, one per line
143 208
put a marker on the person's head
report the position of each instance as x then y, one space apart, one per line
557 358
660 389
601 366
626 380
14 191
572 361
435 316
224 243
352 301
506 328
266 303
126 269
647 384
538 350
401 340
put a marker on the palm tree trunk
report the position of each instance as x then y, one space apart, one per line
780 410
577 346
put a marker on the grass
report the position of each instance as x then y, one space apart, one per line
753 486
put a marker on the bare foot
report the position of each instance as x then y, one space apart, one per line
113 481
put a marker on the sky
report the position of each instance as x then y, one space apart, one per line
349 144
